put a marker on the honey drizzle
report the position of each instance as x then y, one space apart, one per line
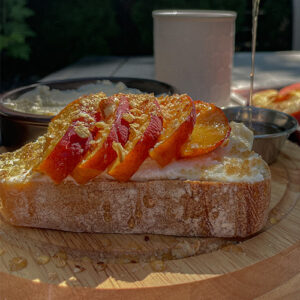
255 10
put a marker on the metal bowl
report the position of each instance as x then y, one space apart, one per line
271 128
18 128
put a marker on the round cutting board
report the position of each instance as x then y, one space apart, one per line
49 264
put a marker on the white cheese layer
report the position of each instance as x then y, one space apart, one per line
231 163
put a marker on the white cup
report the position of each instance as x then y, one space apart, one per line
193 51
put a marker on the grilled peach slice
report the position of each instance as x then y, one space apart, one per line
85 108
179 119
69 135
145 121
210 130
102 153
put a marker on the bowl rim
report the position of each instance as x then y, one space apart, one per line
270 135
43 119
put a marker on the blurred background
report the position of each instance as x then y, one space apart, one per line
39 37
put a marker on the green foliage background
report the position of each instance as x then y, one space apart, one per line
68 30
13 28
38 37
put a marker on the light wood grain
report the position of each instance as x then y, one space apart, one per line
265 265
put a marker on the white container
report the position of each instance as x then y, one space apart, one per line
193 51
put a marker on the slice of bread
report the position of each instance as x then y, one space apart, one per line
223 194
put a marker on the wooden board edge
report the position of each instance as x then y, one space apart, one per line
250 282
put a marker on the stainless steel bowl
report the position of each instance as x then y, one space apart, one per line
271 128
18 128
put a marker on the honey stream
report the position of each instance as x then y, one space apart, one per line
255 10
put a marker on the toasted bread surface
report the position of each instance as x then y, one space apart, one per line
172 207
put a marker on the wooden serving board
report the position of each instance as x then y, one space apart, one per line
48 264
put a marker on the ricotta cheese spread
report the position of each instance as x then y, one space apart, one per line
233 162
45 101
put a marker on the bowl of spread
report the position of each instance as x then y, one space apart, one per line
270 127
26 111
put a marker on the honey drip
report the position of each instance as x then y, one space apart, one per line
42 259
107 217
148 202
138 210
60 259
17 263
255 10
131 222
107 213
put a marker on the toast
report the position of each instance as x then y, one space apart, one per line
223 193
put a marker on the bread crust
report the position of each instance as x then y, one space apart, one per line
170 207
